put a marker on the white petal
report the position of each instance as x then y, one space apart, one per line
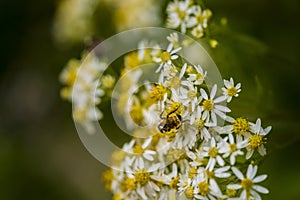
203 94
237 172
220 99
260 178
213 91
234 186
222 108
147 142
261 189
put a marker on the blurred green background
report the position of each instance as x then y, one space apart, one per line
41 155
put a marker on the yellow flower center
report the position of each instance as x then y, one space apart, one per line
208 105
230 192
128 184
108 81
241 126
181 14
136 114
117 197
210 174
255 141
189 192
157 93
233 147
213 152
107 178
199 123
246 184
165 56
174 182
174 82
203 188
192 172
132 60
138 149
191 94
142 177
71 77
190 69
199 76
231 91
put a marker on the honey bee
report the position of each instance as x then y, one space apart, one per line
172 120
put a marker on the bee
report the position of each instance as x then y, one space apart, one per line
172 120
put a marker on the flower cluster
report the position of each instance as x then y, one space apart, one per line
187 16
76 20
185 145
186 151
84 90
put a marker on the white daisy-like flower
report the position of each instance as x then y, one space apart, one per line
206 188
145 187
200 17
179 15
165 58
185 186
249 183
198 121
230 90
140 153
198 31
189 95
196 157
211 108
233 148
257 140
199 76
213 152
174 39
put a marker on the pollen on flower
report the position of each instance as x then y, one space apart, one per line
128 184
189 192
108 81
142 177
174 82
117 197
203 188
165 56
107 178
174 182
241 126
190 69
210 174
232 91
191 94
213 152
138 149
157 93
136 114
208 105
192 172
132 60
255 141
233 147
246 184
199 124
231 192
79 114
